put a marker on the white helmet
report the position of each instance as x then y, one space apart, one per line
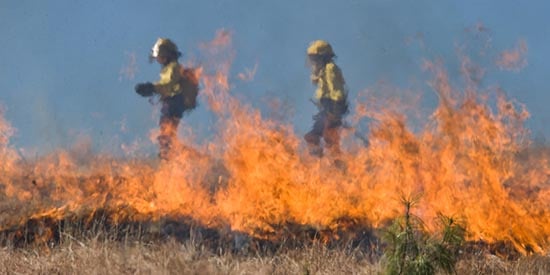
164 47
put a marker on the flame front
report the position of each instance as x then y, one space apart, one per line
255 176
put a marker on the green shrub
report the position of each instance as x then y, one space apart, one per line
412 250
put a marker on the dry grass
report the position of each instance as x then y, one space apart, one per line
172 257
100 255
101 248
143 248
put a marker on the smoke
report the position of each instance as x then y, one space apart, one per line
8 156
514 59
248 74
129 70
461 155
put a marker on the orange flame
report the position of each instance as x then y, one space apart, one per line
7 155
256 176
514 60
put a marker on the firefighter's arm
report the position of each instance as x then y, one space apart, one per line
337 102
335 82
168 84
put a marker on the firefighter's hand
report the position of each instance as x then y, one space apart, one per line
145 89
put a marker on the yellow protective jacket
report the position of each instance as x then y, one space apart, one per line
330 84
170 82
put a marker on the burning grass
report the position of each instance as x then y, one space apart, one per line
41 223
123 250
254 190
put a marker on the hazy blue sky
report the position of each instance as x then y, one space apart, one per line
61 61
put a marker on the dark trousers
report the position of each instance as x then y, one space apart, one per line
171 113
327 127
167 136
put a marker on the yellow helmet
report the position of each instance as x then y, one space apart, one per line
320 47
164 47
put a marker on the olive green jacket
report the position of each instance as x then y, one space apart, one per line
170 82
330 84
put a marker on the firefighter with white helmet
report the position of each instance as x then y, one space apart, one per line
177 88
330 98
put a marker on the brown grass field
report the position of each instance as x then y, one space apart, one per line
136 249
172 257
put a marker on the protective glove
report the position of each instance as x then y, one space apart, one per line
145 89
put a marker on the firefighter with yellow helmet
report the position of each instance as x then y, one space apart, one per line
330 97
177 89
